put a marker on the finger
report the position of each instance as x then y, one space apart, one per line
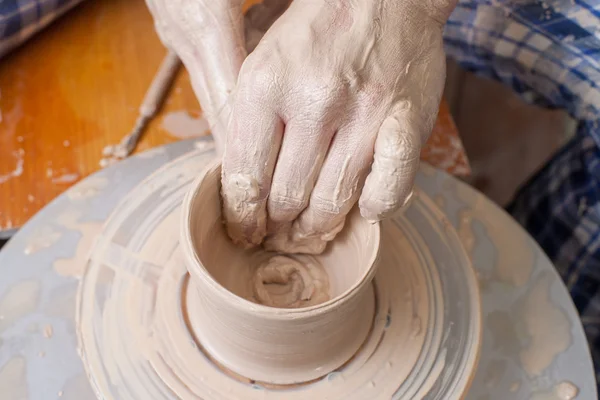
336 190
396 160
300 158
252 146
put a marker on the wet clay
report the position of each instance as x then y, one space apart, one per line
290 282
154 336
141 317
329 292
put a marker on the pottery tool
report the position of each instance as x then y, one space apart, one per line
103 293
152 100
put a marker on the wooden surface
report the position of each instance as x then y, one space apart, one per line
76 87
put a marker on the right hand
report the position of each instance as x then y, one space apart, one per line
212 39
331 109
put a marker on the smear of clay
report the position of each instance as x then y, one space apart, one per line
18 155
65 178
87 188
13 379
512 267
48 331
21 299
184 126
75 266
546 324
204 144
465 231
41 239
152 153
77 388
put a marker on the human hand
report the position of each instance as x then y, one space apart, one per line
212 38
334 104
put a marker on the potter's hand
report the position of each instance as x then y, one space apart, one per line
336 100
212 39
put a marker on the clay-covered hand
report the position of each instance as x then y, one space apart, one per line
334 104
212 38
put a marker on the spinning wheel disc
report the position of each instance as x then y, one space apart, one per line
137 325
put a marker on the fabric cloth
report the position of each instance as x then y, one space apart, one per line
549 52
21 19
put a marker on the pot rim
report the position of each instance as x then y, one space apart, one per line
196 267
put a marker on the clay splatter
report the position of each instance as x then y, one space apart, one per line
66 178
18 170
21 299
183 125
546 324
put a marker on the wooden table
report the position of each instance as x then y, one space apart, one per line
76 87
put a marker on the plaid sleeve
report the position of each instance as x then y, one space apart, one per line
21 19
549 52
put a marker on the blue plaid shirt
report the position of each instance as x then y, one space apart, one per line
21 19
546 50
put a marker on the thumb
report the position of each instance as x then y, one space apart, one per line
214 66
208 37
390 183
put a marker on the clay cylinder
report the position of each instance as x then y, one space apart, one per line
264 343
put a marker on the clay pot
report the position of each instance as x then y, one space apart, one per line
268 344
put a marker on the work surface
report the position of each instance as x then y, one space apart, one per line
533 341
76 88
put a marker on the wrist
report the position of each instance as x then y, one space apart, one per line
438 10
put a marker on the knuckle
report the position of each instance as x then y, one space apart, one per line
317 90
325 210
285 207
399 146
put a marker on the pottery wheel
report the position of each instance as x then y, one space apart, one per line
43 265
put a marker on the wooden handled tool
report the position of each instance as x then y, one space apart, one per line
152 101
